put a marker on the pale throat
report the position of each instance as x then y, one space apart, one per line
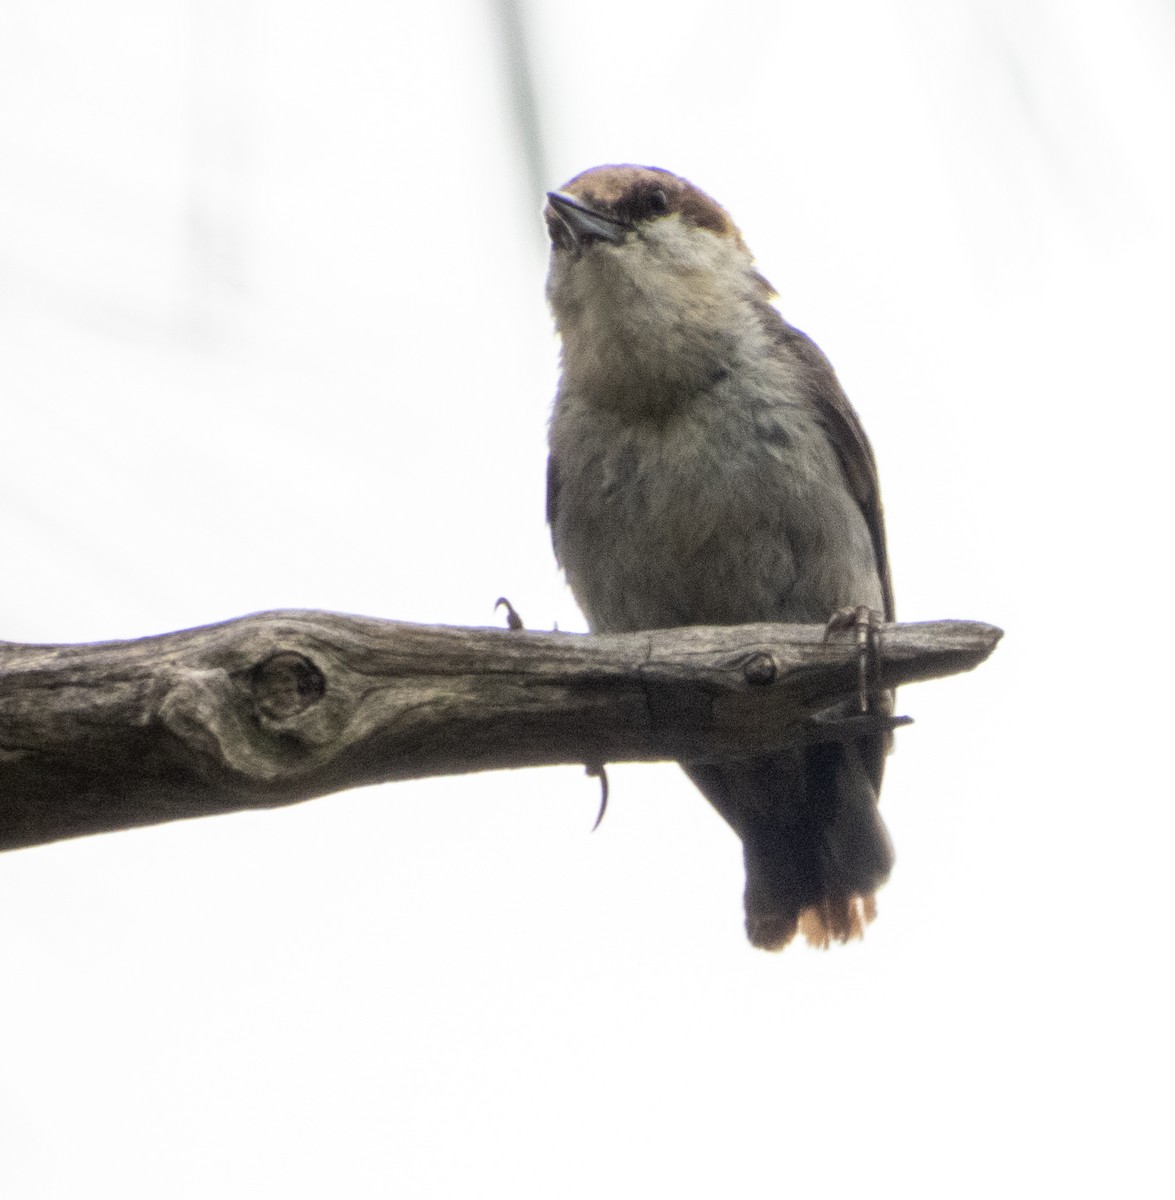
651 348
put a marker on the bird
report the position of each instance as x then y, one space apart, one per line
706 468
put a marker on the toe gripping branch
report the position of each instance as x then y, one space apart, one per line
872 715
513 620
595 770
599 771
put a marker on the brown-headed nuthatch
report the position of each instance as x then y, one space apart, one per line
707 468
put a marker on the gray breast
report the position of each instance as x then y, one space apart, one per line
717 513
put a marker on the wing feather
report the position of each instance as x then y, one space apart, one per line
848 439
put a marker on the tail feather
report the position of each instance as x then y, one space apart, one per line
814 844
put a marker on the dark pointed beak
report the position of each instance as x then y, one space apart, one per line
585 224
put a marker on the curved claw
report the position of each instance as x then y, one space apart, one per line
834 727
513 620
598 771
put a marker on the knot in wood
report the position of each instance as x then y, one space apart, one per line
286 684
759 669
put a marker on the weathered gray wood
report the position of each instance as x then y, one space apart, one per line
282 706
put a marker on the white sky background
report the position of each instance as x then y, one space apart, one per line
272 334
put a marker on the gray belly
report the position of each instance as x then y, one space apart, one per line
661 526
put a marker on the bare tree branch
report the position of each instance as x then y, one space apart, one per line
278 707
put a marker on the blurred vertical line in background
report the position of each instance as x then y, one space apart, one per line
223 60
516 59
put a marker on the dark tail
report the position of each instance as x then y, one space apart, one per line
815 847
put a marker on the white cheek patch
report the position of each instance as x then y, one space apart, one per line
675 245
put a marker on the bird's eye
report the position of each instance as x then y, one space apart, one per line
656 203
644 203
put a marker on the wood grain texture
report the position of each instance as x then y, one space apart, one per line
279 707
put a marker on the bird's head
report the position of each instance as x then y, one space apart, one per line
649 276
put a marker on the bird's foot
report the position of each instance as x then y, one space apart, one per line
513 620
867 623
